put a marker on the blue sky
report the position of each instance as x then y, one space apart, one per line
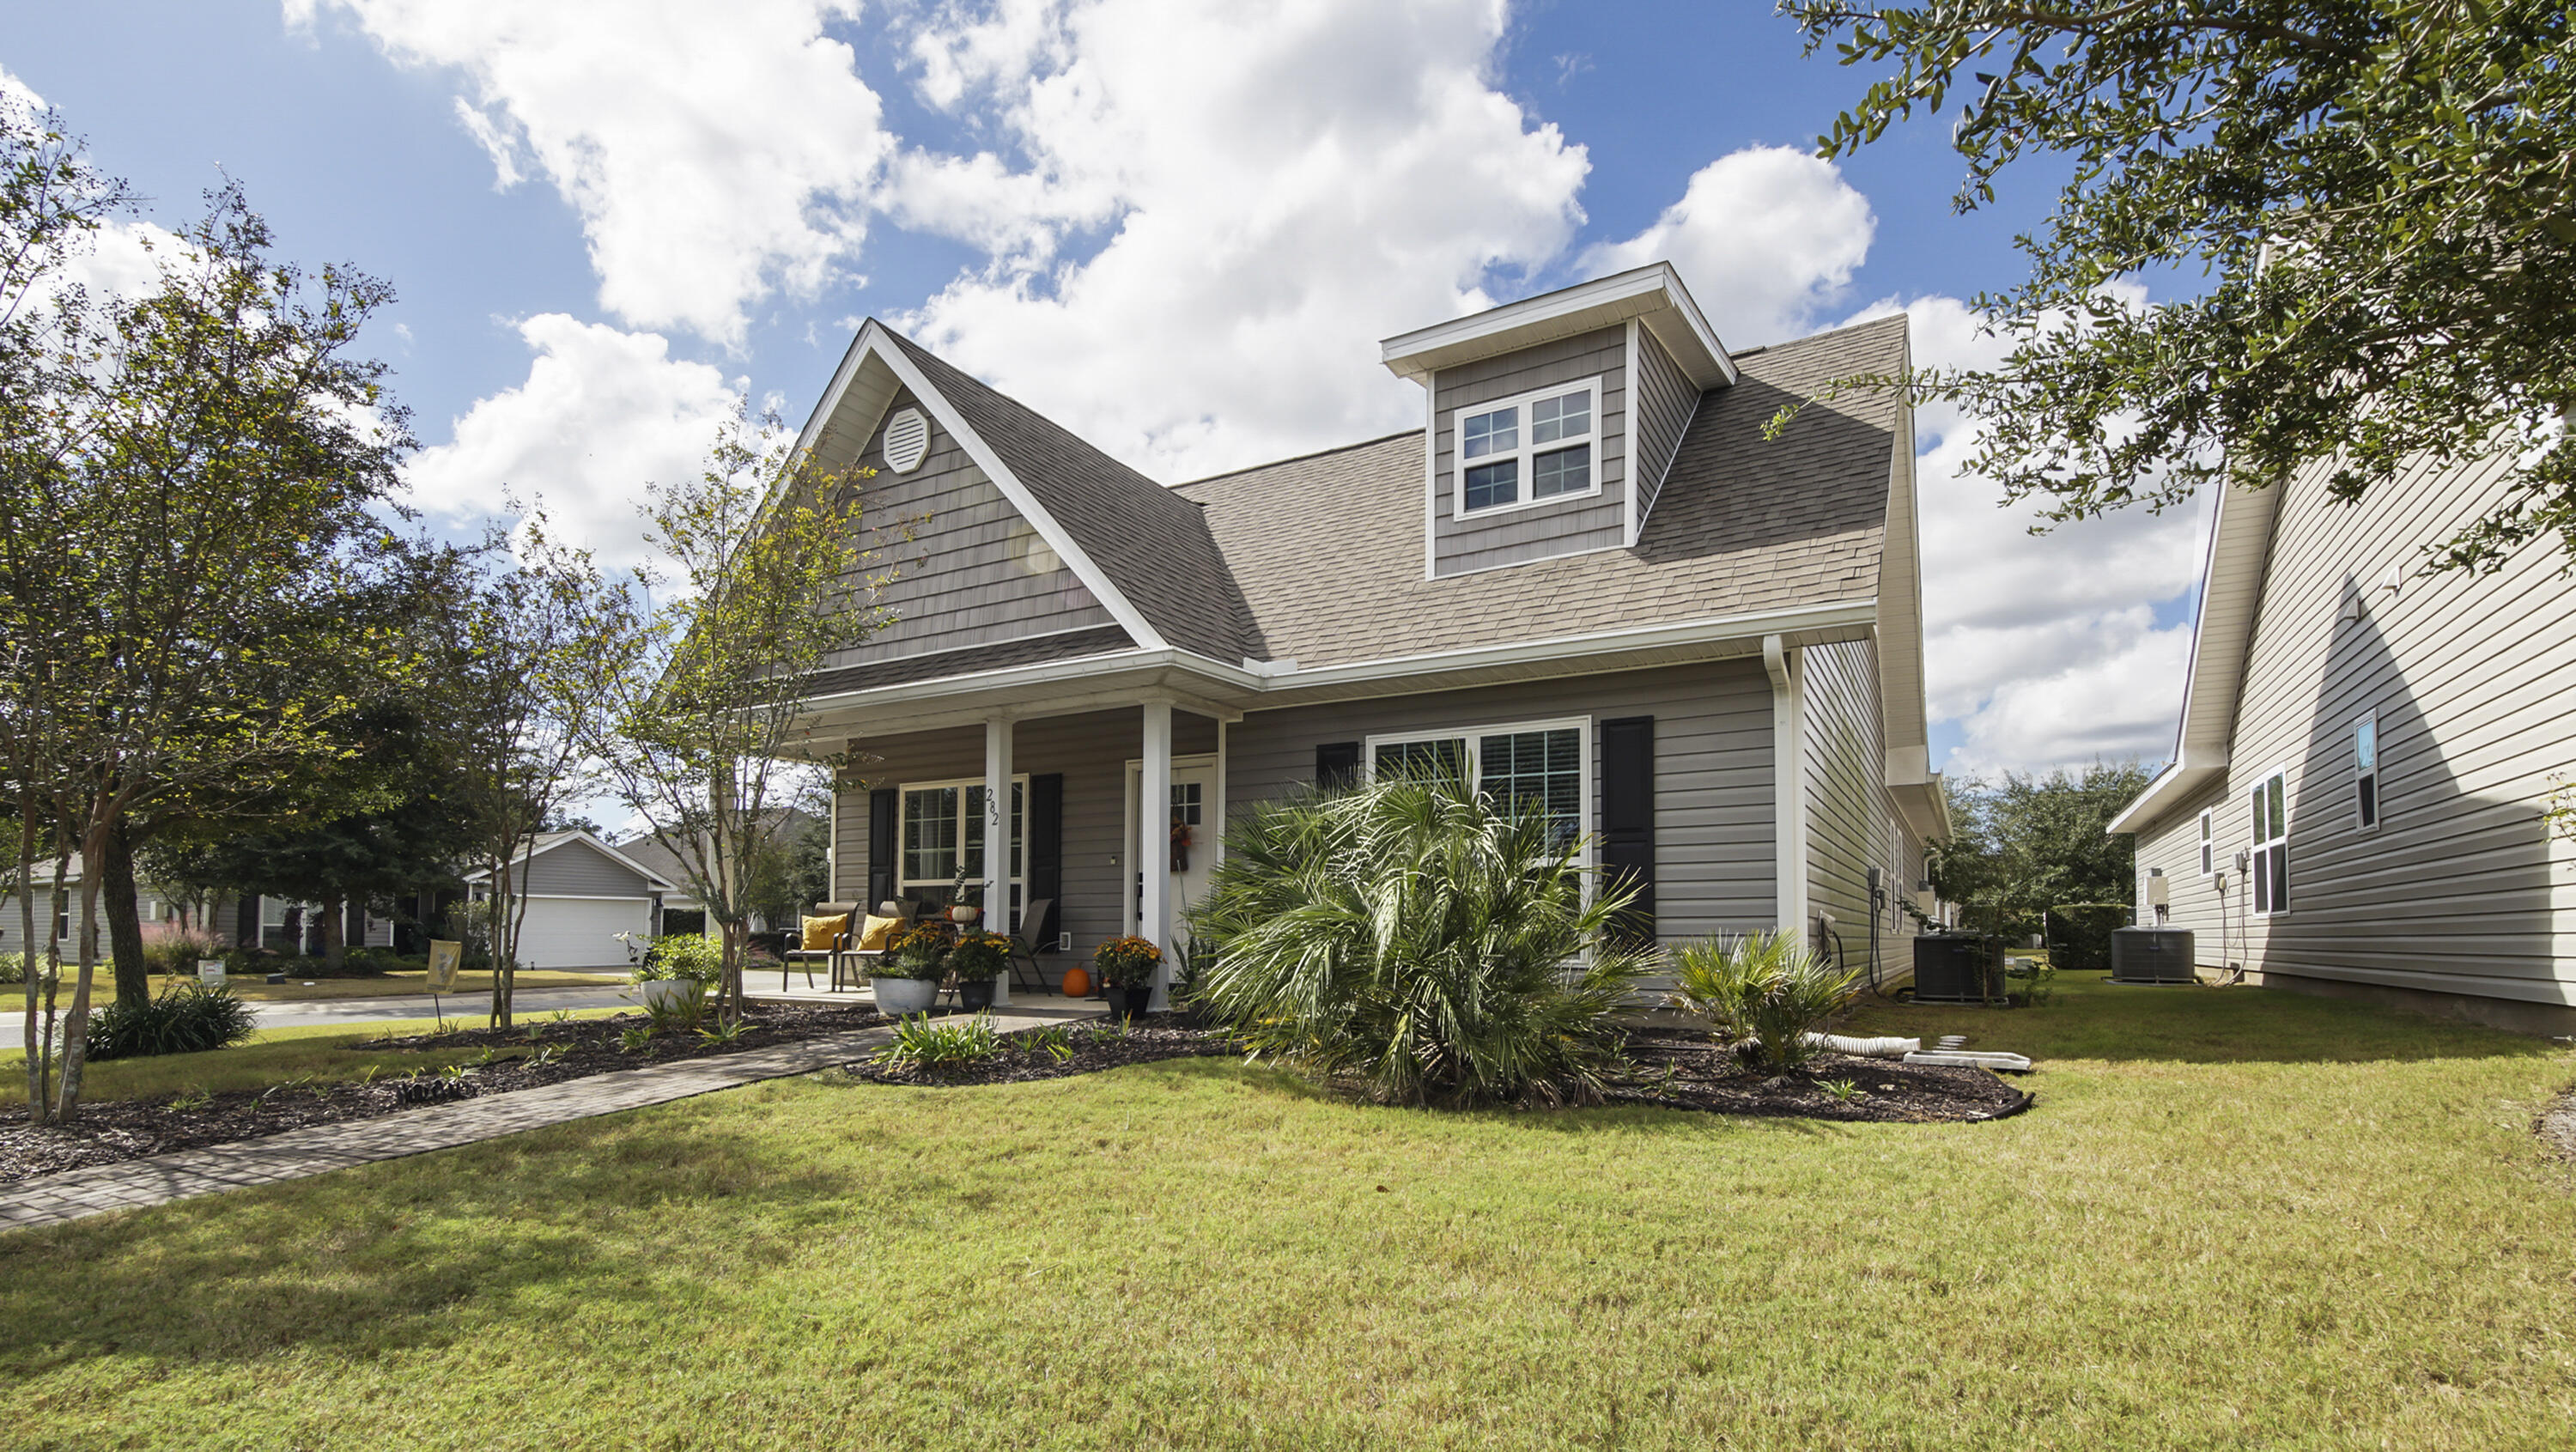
1174 227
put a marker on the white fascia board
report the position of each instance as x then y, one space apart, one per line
534 851
2186 775
1111 598
1253 683
1653 292
1904 714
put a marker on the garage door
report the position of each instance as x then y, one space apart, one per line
581 932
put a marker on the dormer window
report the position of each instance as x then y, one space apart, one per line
1529 449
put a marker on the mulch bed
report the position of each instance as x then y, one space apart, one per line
1678 1072
111 1130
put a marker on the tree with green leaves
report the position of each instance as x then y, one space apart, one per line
770 579
190 508
2026 843
2381 195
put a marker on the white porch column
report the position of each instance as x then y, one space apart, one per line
1154 846
997 841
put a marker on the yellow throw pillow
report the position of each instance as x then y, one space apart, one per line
874 934
819 933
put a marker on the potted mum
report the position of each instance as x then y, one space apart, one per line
1127 970
906 979
978 960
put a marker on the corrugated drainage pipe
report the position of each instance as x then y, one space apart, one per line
1864 1048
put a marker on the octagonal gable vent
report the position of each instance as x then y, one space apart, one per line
907 439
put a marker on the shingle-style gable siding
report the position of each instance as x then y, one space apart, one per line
1534 531
1664 401
973 572
577 869
2461 889
1328 548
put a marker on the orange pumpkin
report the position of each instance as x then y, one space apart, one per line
1077 983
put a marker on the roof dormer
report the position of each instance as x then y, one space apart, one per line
1551 421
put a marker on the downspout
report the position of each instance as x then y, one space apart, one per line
1788 776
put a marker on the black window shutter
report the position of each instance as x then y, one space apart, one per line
1044 829
1628 816
881 846
1337 764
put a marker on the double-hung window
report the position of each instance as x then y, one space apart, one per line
2365 772
2271 860
1547 762
1539 446
943 832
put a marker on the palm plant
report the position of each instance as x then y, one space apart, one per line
1761 993
1419 942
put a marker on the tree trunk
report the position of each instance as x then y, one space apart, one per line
124 920
27 955
335 934
76 1026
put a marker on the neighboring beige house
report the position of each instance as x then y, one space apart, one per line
1584 577
2354 805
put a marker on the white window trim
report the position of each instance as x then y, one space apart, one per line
903 793
2378 752
1527 453
1587 831
2258 847
2209 841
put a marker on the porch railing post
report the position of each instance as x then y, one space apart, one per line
997 840
1154 846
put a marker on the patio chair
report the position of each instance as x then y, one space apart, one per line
828 955
1024 946
851 964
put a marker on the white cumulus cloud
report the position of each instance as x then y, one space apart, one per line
715 153
1764 238
1201 217
602 414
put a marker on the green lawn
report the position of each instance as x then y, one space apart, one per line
2235 1219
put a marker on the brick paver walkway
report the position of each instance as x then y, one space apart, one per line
72 1194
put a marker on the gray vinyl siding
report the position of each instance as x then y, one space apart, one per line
1090 750
2192 901
1537 531
11 940
576 869
962 578
1665 402
2470 676
1852 822
1714 787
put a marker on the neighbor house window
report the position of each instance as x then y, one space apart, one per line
944 832
1530 449
2271 862
2208 844
1548 762
2365 771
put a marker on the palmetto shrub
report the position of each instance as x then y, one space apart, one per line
1761 994
189 1018
1419 943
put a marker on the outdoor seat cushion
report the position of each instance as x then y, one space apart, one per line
823 934
875 931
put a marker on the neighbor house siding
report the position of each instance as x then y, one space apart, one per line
2456 890
576 869
1852 821
1090 750
1713 778
1536 531
969 569
12 940
1665 402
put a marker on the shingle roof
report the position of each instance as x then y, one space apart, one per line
1153 544
1327 549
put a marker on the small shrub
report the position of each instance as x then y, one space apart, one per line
683 1016
2079 933
187 1018
1420 942
691 957
2037 976
634 1040
923 1042
13 967
1761 993
177 956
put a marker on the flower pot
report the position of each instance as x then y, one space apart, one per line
905 995
669 992
974 994
1129 1003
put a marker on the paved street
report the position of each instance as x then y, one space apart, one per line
456 1005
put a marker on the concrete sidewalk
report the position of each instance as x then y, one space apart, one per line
74 1194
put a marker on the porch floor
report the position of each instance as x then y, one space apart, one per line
761 985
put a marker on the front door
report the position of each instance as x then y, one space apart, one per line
1194 820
